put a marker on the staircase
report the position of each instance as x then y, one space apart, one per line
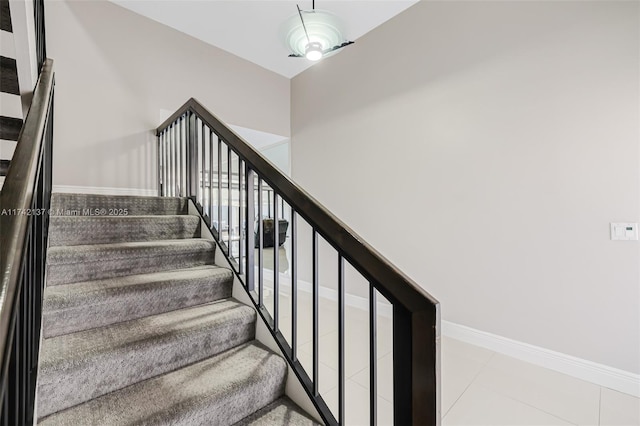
10 102
140 326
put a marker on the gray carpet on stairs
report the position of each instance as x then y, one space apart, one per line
70 264
221 390
80 306
89 204
73 231
77 367
140 328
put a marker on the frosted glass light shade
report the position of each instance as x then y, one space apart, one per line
323 27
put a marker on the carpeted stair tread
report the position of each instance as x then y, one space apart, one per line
68 308
77 367
91 204
221 390
282 412
80 230
69 264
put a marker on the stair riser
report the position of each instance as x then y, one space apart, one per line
219 391
88 204
72 231
61 389
151 299
111 268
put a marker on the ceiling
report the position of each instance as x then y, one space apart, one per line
252 29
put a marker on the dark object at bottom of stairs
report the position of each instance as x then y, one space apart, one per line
267 232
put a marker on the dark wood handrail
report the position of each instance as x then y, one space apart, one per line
416 314
17 193
388 279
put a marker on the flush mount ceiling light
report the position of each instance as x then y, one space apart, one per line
312 34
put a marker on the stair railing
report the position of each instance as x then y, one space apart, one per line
201 158
24 220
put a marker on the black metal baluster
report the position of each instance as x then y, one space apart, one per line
179 168
172 170
315 302
165 163
403 408
229 205
373 361
294 289
211 180
184 175
23 332
187 153
260 246
201 174
27 312
276 269
251 238
175 155
187 167
341 418
4 412
159 164
242 217
167 148
15 372
192 147
176 175
220 189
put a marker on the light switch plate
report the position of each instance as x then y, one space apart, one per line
624 231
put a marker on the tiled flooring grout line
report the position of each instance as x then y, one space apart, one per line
470 383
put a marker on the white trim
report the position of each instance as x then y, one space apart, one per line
102 190
600 374
603 375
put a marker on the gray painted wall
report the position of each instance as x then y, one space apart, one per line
484 147
117 73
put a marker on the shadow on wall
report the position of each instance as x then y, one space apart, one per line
134 162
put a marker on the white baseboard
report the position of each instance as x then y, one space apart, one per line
103 190
603 375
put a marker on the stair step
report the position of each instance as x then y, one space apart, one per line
69 264
69 308
79 230
221 390
90 204
280 412
78 367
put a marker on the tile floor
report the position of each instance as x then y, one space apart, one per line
479 387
